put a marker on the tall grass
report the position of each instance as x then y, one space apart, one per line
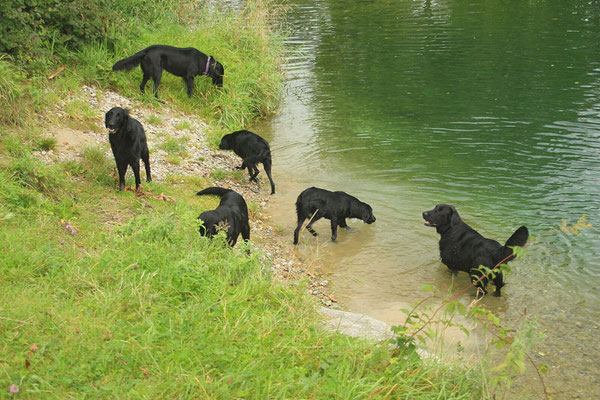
242 40
106 297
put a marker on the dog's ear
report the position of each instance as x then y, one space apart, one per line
106 119
454 217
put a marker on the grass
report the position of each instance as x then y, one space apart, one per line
154 120
104 296
175 146
184 126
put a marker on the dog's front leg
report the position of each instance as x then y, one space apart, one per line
189 81
135 166
122 167
334 226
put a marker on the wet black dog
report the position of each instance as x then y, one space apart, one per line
253 149
185 62
128 144
231 214
464 249
334 206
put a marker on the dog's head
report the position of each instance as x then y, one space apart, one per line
115 118
442 217
208 227
367 214
226 143
216 73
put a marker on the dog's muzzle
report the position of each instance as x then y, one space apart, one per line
426 221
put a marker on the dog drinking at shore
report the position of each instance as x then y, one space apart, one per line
464 249
186 63
128 143
253 149
314 204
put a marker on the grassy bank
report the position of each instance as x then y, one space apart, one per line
108 295
241 40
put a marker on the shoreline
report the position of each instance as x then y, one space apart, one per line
200 161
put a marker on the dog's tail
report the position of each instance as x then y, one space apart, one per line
214 190
519 238
130 62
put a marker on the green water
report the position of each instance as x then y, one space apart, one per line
492 106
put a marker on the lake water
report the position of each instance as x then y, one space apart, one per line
491 106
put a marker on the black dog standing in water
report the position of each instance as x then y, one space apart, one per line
335 206
186 63
232 213
464 249
253 149
128 144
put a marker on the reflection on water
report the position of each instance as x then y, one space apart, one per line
489 106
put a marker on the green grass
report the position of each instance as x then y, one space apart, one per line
175 146
154 120
104 296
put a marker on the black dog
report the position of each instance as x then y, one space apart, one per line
128 144
253 149
335 206
231 214
464 249
185 62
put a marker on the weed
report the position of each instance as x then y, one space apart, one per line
81 116
46 143
175 146
184 125
154 120
173 159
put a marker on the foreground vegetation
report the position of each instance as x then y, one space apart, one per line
108 295
104 295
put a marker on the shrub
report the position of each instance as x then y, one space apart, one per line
42 25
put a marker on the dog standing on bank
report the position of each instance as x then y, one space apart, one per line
128 143
186 62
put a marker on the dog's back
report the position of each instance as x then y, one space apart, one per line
313 199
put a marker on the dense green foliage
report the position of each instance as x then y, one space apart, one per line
40 27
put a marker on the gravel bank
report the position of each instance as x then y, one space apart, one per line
166 129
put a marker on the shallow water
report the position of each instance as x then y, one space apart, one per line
493 107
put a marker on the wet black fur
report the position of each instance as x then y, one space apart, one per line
128 144
253 149
464 249
186 63
232 212
334 206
